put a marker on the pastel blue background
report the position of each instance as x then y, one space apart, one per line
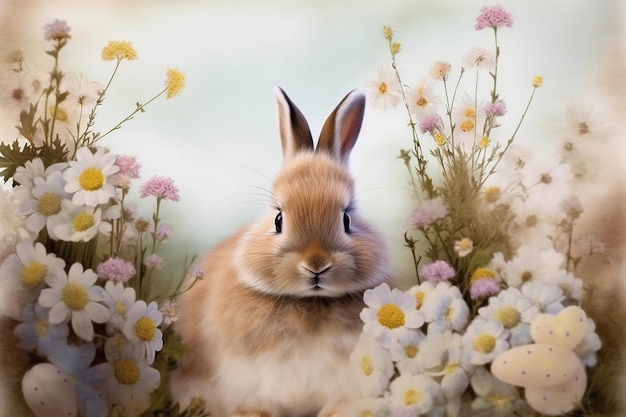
219 140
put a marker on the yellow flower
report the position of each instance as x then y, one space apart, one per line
537 81
387 32
395 48
175 82
119 50
483 142
440 139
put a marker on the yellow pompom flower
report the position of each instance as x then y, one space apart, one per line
118 50
387 32
396 47
175 82
537 81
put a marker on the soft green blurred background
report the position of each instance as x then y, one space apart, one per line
218 139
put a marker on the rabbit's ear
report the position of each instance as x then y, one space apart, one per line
342 127
295 135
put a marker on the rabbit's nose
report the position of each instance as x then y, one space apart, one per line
316 259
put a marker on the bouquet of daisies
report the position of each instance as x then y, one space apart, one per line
493 326
81 261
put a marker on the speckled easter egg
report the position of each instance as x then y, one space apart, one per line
536 365
566 329
559 399
49 392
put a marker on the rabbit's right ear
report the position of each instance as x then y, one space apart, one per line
295 134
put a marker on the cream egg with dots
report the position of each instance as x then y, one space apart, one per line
552 374
49 392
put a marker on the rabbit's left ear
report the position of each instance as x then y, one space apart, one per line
295 135
341 129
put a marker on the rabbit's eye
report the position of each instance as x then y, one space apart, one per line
347 222
278 222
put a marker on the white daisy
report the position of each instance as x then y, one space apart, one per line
530 264
456 370
469 119
142 323
372 366
495 398
484 340
384 91
514 159
421 99
12 224
389 313
547 177
45 200
514 311
405 352
444 309
25 272
413 392
571 286
433 351
75 296
119 299
75 223
130 381
421 292
535 223
36 333
89 178
547 298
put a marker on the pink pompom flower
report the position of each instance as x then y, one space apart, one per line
57 30
493 17
438 271
160 187
116 269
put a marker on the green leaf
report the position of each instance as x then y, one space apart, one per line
12 156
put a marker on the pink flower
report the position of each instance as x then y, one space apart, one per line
483 288
57 30
128 165
196 271
116 269
438 271
164 232
495 109
160 187
430 123
429 212
493 17
572 206
169 309
154 261
481 58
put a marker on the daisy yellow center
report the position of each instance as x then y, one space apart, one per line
82 222
127 372
91 179
499 401
382 88
508 316
49 204
526 276
412 397
419 299
391 316
546 178
450 368
411 351
121 308
492 194
469 112
145 329
33 274
75 296
421 101
449 313
41 328
440 139
60 115
467 125
583 128
485 343
481 273
465 244
367 366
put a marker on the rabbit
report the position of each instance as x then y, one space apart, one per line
271 326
